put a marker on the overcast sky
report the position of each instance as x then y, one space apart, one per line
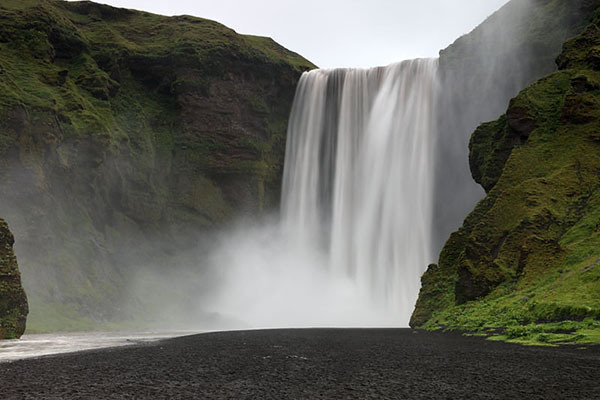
340 33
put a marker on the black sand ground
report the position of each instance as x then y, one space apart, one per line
311 364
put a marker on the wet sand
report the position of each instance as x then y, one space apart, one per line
310 364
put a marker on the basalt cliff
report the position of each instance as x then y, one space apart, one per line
124 137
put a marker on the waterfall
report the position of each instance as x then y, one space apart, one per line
354 234
358 176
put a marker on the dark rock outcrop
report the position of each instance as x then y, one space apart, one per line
13 301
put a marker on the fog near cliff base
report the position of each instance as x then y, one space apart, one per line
254 274
272 281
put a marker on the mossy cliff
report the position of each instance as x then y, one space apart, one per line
123 135
479 73
13 301
526 262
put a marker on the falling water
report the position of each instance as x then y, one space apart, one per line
358 176
355 230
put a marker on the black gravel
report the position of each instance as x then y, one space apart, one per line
311 364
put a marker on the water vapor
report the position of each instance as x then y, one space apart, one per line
269 280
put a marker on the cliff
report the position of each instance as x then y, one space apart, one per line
525 265
124 136
479 73
13 301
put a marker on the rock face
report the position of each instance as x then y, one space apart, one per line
13 301
479 73
124 136
530 251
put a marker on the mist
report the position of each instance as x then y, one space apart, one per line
267 279
254 274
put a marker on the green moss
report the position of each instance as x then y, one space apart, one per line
278 53
573 333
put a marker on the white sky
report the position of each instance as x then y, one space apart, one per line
338 33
